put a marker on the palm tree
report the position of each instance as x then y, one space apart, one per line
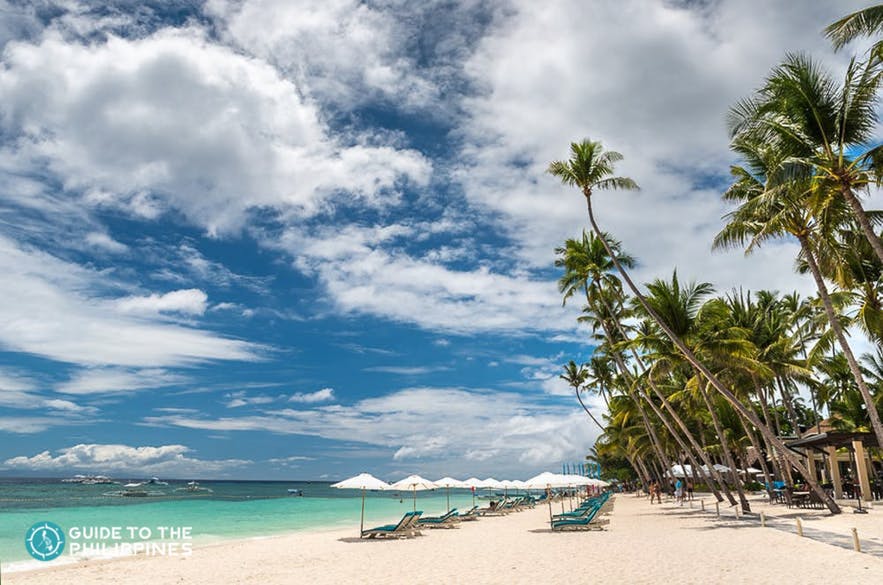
863 23
588 268
825 128
772 194
576 377
590 168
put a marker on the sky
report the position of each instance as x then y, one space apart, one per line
282 239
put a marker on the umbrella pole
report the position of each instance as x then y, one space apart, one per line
449 498
549 499
362 521
415 498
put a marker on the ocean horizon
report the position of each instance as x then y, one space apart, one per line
234 509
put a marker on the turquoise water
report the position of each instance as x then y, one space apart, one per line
232 510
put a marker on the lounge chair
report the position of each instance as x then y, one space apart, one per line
406 528
470 514
587 522
449 520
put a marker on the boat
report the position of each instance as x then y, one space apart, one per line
193 487
295 492
133 493
88 479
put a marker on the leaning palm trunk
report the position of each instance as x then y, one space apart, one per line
783 471
716 476
871 407
725 447
688 354
768 481
588 412
863 221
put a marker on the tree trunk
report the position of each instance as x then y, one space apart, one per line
768 481
727 394
725 447
588 412
873 415
863 221
715 475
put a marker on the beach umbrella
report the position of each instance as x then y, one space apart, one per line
546 481
491 484
413 483
448 483
363 481
509 484
473 483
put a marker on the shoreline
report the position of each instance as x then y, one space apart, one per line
643 544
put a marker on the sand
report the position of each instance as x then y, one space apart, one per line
643 544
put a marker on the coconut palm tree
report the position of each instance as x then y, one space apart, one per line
590 168
576 377
862 23
824 127
772 195
588 267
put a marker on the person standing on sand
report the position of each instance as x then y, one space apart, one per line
690 490
679 492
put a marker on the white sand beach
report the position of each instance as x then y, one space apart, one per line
643 544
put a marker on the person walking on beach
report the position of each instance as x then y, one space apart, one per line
690 490
679 492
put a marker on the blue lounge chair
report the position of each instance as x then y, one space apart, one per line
586 522
406 528
449 520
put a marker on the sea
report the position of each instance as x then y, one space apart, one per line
88 514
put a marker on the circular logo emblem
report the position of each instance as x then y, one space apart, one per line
44 541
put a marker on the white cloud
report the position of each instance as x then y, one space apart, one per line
653 80
323 395
342 51
174 121
440 429
364 273
21 392
242 398
59 310
104 242
190 301
117 380
169 460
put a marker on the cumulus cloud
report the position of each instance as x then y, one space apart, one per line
323 395
173 121
190 301
435 428
169 460
653 80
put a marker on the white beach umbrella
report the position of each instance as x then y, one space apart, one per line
413 483
448 483
509 484
363 481
546 481
491 484
473 483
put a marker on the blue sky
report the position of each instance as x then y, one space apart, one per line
267 239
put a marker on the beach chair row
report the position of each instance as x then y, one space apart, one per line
411 523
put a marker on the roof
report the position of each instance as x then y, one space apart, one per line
819 441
